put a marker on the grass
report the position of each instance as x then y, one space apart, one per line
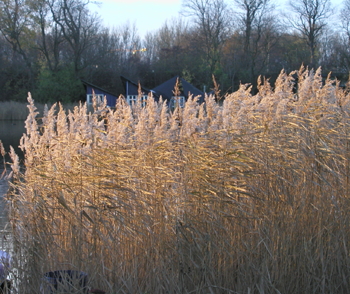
12 110
247 197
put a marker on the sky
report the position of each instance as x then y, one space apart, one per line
147 15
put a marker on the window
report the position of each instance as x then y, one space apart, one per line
130 99
99 98
178 101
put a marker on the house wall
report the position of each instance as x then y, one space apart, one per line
131 89
111 99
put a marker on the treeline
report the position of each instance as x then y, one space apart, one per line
48 46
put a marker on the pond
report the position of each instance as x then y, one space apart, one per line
10 134
5 228
3 209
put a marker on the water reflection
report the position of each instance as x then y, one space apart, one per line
3 209
11 133
5 233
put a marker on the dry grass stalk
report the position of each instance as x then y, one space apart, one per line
247 197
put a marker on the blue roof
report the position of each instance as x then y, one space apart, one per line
166 89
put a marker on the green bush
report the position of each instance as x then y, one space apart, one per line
61 86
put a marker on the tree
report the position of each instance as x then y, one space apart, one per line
79 28
118 52
16 27
172 48
310 21
60 86
345 18
335 46
340 41
260 33
251 16
49 37
212 21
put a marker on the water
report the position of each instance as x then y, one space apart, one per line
5 233
10 134
3 209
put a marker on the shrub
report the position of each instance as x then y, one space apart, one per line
61 85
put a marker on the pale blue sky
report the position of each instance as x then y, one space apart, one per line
148 15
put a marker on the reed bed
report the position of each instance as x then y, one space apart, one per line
13 110
251 196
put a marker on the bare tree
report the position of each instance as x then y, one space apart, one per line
16 27
79 28
253 12
172 45
49 37
345 18
172 33
213 22
311 19
260 32
335 44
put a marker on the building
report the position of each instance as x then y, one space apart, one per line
100 93
165 90
132 91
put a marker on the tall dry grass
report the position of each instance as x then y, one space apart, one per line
13 110
248 197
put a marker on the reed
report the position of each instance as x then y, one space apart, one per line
247 197
12 110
